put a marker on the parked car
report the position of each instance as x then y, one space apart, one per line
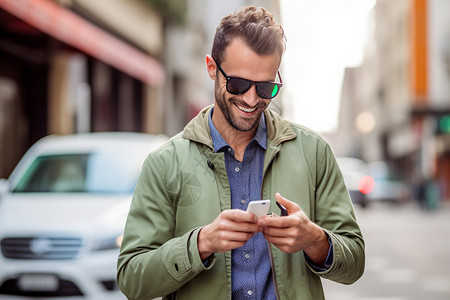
357 179
387 188
63 214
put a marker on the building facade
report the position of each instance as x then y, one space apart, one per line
77 66
403 84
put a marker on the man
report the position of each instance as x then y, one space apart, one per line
188 234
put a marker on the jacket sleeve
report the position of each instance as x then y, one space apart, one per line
335 214
152 261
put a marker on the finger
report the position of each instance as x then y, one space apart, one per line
277 240
238 215
233 239
236 236
290 206
238 221
280 222
226 226
275 231
287 245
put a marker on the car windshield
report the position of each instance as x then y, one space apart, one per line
81 173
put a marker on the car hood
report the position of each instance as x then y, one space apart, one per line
62 213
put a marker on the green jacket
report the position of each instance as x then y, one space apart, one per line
177 193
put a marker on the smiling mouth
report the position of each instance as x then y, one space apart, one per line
244 109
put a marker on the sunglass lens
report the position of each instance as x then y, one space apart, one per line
274 91
267 90
238 86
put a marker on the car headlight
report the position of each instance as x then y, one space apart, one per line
112 242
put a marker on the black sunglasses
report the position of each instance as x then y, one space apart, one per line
239 86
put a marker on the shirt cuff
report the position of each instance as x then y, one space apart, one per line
208 260
328 261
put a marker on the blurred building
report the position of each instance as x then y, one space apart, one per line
396 106
72 66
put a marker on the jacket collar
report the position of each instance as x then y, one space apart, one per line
278 129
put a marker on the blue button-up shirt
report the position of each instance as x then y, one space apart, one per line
251 274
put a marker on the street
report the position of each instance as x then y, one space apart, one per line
407 255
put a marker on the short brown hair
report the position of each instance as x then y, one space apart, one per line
256 27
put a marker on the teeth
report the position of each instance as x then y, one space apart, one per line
249 110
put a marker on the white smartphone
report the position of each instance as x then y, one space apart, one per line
259 207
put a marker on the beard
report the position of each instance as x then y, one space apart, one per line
239 123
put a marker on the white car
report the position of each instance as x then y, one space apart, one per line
63 213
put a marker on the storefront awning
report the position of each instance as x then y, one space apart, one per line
73 30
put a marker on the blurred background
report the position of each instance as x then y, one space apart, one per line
371 76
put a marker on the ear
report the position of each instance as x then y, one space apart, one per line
211 67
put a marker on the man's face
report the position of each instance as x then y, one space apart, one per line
243 112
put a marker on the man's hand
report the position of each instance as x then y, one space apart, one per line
296 232
230 230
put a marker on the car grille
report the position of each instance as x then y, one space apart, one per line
65 289
40 247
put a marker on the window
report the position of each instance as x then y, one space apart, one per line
81 173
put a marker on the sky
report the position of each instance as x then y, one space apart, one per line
323 37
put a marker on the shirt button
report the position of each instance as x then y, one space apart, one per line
237 169
243 201
247 255
250 292
229 150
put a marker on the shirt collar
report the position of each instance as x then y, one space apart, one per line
219 142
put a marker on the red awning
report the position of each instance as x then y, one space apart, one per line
73 30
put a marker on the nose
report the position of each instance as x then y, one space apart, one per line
251 97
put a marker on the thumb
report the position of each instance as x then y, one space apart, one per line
290 206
